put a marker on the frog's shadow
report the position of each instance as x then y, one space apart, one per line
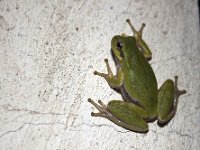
119 91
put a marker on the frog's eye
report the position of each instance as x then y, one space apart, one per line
119 48
119 45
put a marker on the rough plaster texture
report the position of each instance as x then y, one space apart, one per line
49 50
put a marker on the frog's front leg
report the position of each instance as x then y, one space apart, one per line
168 100
126 115
115 81
140 42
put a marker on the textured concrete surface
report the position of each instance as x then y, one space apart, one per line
49 50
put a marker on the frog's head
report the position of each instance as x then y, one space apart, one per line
123 47
117 46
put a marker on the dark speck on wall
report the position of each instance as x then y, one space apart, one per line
164 32
47 43
17 7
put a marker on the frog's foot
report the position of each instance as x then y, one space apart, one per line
177 91
103 111
137 34
132 125
168 100
115 81
144 48
109 75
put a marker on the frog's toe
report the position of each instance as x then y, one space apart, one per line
177 91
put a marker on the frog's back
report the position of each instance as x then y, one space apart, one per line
140 81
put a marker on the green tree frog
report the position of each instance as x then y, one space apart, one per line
136 81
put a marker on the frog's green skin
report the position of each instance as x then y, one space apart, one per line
138 85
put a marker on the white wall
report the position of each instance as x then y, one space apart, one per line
49 50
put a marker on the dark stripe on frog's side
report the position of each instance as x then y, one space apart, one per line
127 97
122 90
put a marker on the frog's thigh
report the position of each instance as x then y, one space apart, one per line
128 115
166 101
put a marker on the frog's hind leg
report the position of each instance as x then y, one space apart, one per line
129 114
168 96
103 111
177 91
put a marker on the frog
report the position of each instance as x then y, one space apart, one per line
143 102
